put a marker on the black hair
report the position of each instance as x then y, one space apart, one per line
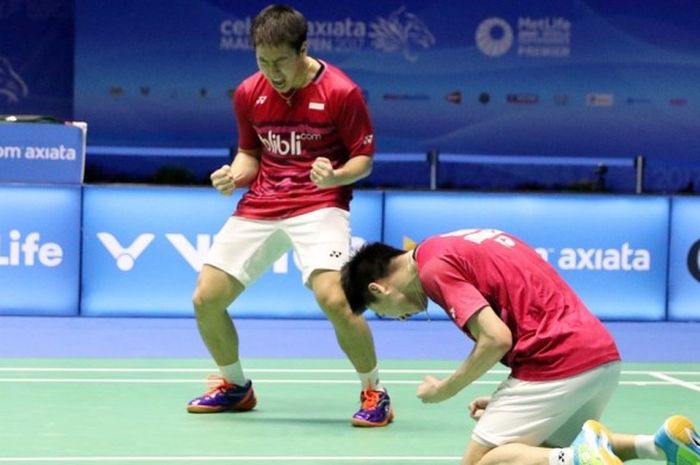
278 25
369 264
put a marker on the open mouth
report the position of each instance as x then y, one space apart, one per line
278 84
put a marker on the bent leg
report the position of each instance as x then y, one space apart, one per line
507 454
351 331
214 293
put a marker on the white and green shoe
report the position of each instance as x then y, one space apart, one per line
679 441
592 446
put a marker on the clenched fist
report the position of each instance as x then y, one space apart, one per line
322 173
223 180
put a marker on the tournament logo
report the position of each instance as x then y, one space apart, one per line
400 31
494 37
543 37
12 87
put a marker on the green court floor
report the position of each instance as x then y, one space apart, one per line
132 411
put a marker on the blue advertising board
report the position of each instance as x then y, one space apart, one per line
611 250
143 248
42 153
39 250
684 260
506 77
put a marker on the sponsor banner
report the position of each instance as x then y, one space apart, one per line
611 250
684 260
554 60
42 153
39 250
143 248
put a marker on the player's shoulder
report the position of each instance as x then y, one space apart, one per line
253 84
333 78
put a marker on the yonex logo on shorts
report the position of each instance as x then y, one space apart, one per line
335 254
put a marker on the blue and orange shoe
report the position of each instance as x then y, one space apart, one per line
224 397
592 446
375 409
679 441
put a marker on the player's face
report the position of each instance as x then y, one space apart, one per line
282 66
395 304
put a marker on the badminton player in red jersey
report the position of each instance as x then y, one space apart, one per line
305 136
564 364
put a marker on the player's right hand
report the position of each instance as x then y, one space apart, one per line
222 180
477 407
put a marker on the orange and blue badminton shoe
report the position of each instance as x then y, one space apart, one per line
375 409
679 441
224 397
592 446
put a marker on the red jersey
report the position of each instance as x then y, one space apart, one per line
327 118
554 334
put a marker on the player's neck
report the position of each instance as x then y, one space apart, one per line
409 282
306 74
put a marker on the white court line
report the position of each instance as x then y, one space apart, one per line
234 458
287 370
696 386
200 381
676 381
208 370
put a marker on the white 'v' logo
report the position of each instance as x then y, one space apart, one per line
125 256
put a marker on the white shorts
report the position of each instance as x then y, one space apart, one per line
546 412
246 248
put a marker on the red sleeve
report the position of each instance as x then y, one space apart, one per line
247 137
446 286
355 126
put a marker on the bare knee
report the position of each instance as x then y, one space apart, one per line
330 296
215 291
475 453
204 300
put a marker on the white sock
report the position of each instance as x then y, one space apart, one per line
233 373
371 380
563 456
646 448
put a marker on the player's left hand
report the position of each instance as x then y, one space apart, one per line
429 390
322 173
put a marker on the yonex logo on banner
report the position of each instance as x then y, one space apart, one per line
125 256
28 250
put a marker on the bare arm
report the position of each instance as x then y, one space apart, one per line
240 173
323 174
493 341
